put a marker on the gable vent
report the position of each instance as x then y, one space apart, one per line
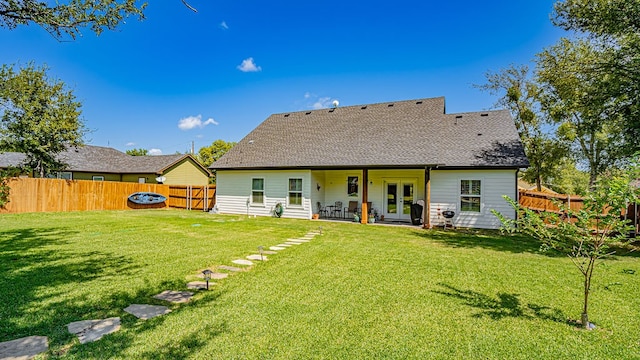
307 113
364 107
286 115
390 105
418 102
484 114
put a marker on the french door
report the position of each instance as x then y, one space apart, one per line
398 198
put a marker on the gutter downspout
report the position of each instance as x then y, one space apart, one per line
426 222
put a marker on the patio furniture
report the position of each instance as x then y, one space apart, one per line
351 209
337 209
322 210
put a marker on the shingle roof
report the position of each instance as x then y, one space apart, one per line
411 133
99 159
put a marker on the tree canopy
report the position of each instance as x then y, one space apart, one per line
39 117
61 19
137 152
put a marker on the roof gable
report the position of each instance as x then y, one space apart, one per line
412 133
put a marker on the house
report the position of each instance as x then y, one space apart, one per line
385 156
108 164
526 186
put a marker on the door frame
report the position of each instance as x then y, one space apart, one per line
400 182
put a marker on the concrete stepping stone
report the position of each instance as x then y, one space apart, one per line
242 262
268 252
93 330
200 285
145 312
215 276
24 348
299 240
284 245
230 268
277 247
294 243
257 257
174 296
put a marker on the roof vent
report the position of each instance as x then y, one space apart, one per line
390 105
364 107
307 113
485 114
418 102
458 116
479 134
332 110
286 115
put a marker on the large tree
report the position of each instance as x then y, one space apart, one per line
209 154
39 117
61 19
137 152
518 93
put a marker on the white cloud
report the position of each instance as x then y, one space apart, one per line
224 25
249 66
322 103
155 152
130 143
192 122
307 95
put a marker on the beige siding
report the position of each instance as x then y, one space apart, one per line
233 193
186 172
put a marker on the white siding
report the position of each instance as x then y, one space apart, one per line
233 192
445 195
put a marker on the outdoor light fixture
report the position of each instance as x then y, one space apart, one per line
207 276
260 248
318 186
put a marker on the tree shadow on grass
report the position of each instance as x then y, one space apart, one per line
502 306
486 239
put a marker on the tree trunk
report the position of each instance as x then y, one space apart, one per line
587 287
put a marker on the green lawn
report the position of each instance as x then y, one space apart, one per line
356 292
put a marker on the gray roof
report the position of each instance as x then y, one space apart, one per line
99 159
8 159
413 133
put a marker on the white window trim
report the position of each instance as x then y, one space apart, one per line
97 178
288 200
481 196
264 196
59 175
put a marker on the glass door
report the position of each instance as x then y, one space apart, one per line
399 196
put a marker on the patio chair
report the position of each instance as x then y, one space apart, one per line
322 210
351 209
337 209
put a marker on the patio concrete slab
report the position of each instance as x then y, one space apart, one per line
24 348
242 262
174 296
277 247
230 268
93 330
145 312
257 257
200 285
215 276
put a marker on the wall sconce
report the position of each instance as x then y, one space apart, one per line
318 186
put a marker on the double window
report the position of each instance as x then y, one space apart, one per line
295 192
470 195
257 191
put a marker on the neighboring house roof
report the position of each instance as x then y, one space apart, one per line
412 133
99 159
532 187
9 159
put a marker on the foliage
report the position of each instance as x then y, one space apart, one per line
61 19
209 154
278 210
5 190
585 235
39 117
569 179
354 292
519 94
137 152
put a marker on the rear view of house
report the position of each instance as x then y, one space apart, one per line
376 159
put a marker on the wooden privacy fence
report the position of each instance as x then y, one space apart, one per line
538 201
49 195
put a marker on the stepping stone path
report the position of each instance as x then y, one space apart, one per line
199 285
277 248
267 252
283 245
146 312
293 243
257 257
215 276
174 296
230 268
242 262
299 240
24 348
93 330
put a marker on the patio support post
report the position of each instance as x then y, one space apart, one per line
364 216
426 222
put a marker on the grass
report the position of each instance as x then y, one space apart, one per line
356 292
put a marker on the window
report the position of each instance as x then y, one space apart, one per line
295 192
352 186
98 178
64 175
142 180
470 195
257 191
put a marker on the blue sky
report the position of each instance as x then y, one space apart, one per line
180 76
